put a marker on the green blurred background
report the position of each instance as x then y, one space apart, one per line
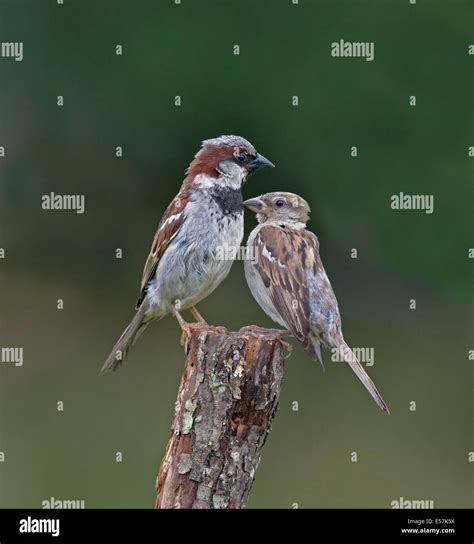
187 50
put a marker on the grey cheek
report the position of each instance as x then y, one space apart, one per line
232 169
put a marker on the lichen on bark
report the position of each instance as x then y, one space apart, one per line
228 396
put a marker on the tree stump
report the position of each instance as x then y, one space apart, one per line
226 401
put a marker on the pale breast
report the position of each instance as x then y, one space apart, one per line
195 264
257 287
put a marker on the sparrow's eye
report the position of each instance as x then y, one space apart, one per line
242 156
280 202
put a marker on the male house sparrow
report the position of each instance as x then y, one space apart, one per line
288 280
184 265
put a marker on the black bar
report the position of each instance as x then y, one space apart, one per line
319 526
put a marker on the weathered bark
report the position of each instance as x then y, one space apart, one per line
226 401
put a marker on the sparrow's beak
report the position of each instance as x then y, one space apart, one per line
254 204
260 162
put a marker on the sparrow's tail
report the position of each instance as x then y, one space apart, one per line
349 357
119 352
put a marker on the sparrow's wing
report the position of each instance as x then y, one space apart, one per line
289 264
282 258
169 226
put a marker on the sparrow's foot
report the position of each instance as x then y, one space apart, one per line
175 308
280 333
197 316
219 329
188 330
186 327
254 329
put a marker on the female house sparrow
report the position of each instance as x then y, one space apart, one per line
183 266
288 280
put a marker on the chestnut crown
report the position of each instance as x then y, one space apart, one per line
230 157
